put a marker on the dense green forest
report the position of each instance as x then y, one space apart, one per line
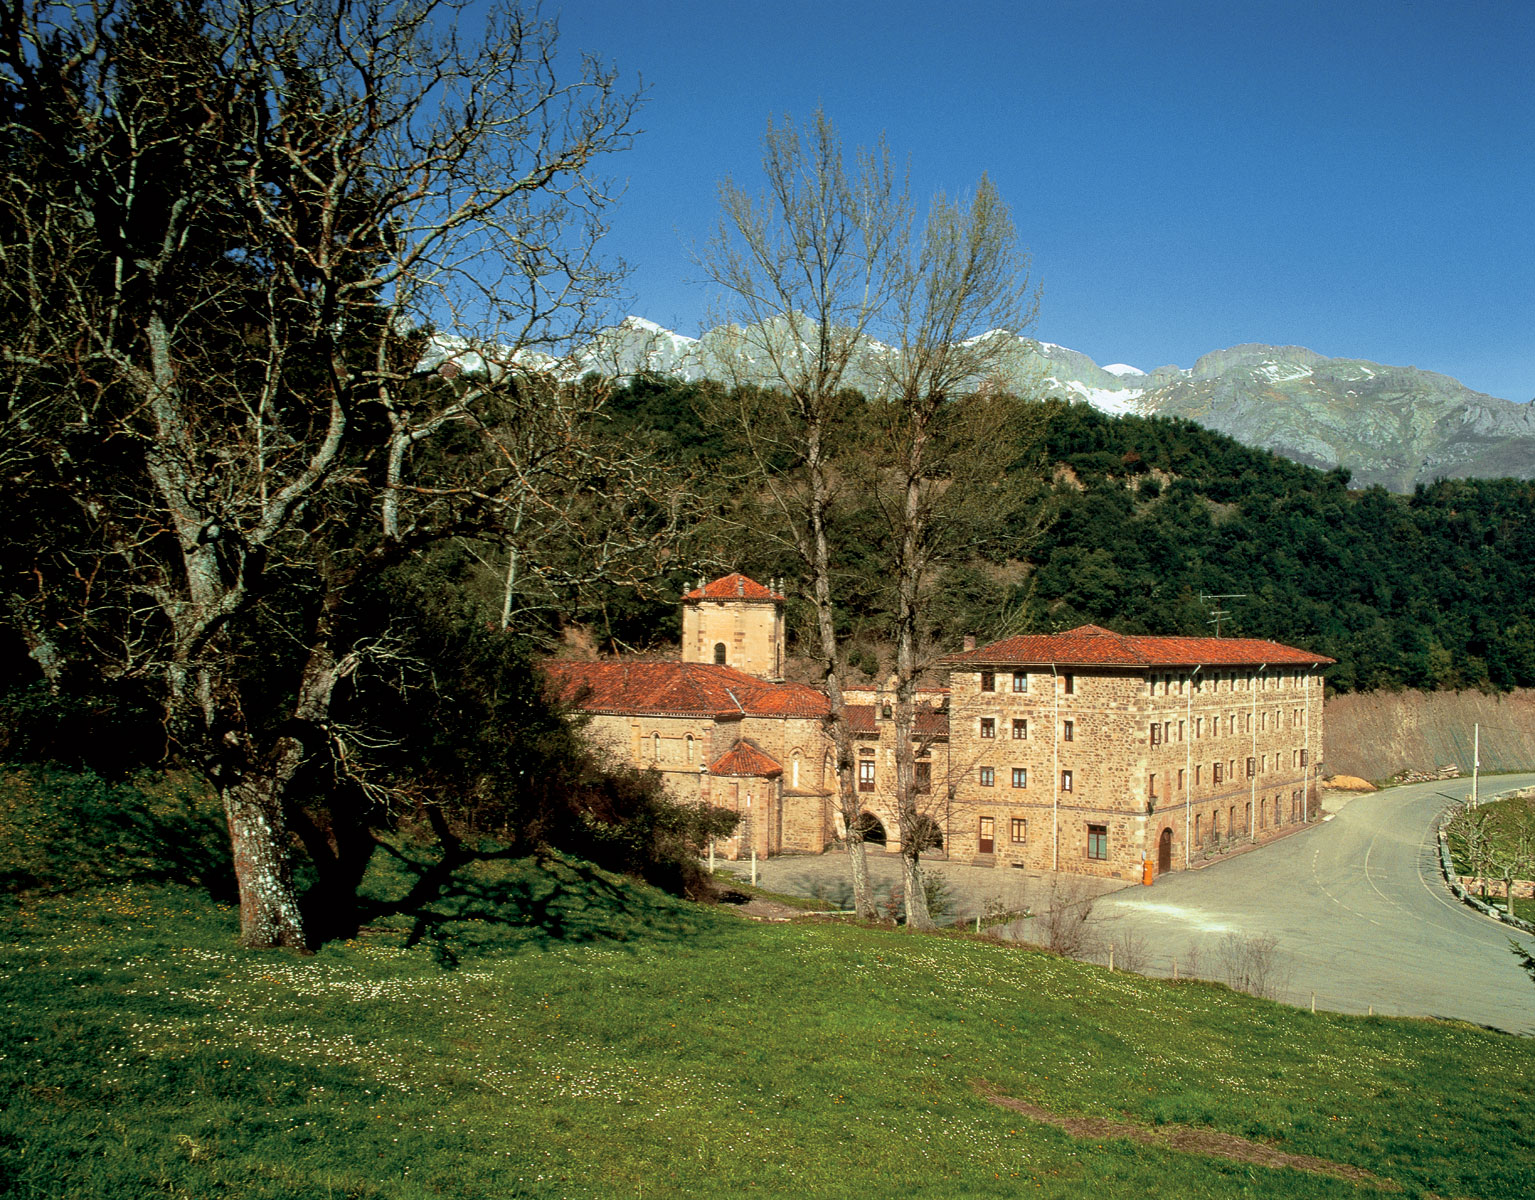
1145 515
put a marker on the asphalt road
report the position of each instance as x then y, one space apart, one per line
1359 911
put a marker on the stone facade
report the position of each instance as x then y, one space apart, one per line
734 622
1087 751
1099 768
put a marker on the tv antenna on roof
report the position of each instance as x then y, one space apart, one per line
1217 614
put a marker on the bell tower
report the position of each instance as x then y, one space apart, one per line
735 622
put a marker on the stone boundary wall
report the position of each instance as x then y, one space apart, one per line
1460 892
1522 888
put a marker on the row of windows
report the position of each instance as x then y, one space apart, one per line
1160 731
1169 731
988 729
866 777
1233 680
1297 813
1220 771
988 682
987 777
1230 681
986 836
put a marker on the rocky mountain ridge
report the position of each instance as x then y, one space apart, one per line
1388 425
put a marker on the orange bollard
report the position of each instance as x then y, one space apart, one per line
1148 872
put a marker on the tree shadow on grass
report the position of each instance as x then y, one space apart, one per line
458 900
62 831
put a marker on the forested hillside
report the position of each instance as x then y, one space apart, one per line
1431 590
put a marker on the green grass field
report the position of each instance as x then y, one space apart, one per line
545 1030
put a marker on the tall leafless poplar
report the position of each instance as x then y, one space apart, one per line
949 438
803 271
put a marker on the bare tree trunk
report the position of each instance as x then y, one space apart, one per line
909 567
269 912
831 665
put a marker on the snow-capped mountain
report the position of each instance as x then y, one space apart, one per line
1396 426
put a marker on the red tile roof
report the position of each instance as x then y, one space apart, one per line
745 758
734 586
929 723
679 689
1092 645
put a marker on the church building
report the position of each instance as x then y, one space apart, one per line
1086 751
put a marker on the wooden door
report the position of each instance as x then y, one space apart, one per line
988 838
1165 851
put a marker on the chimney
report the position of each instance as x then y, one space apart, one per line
969 642
740 585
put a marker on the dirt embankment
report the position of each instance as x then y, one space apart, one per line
1376 734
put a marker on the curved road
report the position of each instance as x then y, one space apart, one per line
1360 912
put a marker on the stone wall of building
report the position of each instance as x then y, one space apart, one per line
1086 784
745 634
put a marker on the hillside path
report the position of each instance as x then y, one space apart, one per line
1360 912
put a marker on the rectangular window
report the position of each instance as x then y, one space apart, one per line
1303 758
1020 681
988 681
1020 729
1196 776
986 776
1151 786
988 727
1097 841
924 777
1180 778
1215 775
987 839
1156 734
1065 781
1250 768
1069 684
866 775
1180 731
1020 777
1199 727
1068 731
1020 829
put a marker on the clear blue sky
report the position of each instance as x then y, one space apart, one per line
1355 176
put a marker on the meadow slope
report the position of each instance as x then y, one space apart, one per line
542 1029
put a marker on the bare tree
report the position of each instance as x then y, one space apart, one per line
222 224
1511 844
1067 919
1470 832
948 436
804 271
1251 964
829 286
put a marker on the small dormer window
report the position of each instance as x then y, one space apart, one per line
719 654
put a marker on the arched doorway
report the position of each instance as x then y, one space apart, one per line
1165 851
871 829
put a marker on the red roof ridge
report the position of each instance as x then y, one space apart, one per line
745 757
688 689
734 586
1093 645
